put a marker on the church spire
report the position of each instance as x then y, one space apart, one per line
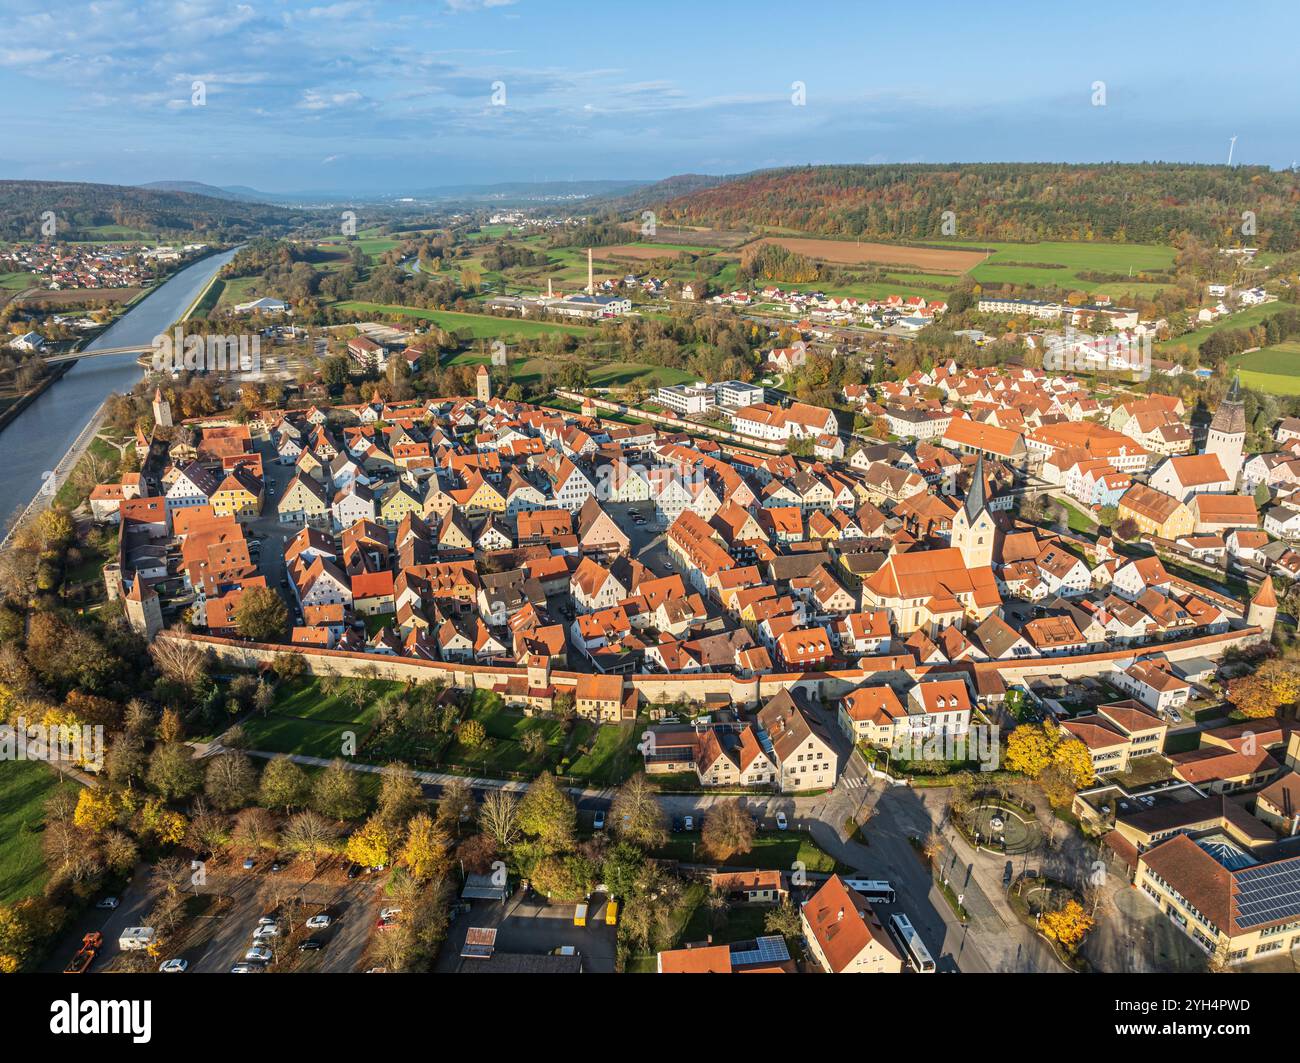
975 496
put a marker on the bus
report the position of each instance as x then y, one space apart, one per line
877 891
918 956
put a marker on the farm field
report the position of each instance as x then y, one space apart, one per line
695 236
853 253
372 245
81 297
479 326
1030 264
16 282
1275 369
25 786
646 252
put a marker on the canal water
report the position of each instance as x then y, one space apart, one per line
34 441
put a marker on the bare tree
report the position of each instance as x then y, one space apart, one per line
636 814
728 830
932 846
179 660
499 818
311 835
456 804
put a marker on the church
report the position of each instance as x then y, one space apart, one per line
929 590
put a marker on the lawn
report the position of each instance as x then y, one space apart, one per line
620 374
772 851
1252 315
306 720
528 371
612 758
501 753
477 326
25 786
743 922
1275 370
1077 519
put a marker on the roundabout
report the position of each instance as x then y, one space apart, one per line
1003 829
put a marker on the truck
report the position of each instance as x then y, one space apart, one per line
90 946
137 937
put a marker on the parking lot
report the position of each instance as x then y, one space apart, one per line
530 925
353 907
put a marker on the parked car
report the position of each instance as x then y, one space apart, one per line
1176 716
781 822
311 945
354 870
262 933
598 821
318 922
174 967
107 903
688 823
246 968
249 863
268 920
390 913
259 954
277 866
677 824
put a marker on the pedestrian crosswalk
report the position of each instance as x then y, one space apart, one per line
853 784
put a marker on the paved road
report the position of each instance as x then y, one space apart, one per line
135 902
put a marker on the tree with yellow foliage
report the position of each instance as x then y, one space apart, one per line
170 727
96 809
425 852
1072 757
370 844
1271 686
1067 925
1029 748
167 825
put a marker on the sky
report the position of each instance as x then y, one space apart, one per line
399 98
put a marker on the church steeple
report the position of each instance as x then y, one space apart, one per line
975 500
974 531
1226 438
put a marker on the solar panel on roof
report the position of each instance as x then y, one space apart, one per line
1268 893
769 949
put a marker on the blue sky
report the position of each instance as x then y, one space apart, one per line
352 96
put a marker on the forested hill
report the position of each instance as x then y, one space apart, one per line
653 194
1136 203
83 210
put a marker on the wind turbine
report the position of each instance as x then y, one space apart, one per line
1231 144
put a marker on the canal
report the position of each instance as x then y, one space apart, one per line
34 442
